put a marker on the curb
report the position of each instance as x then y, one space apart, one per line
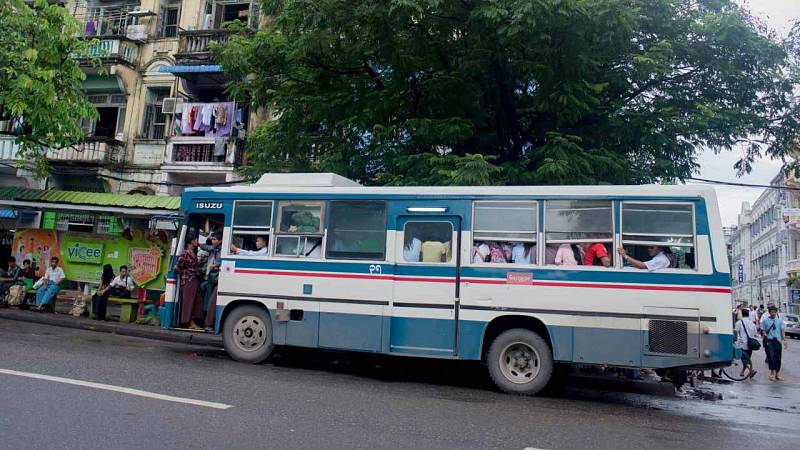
143 331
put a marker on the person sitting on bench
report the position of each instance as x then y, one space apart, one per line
49 285
122 286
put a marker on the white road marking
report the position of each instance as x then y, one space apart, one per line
123 390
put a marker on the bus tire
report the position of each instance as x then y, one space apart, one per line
520 362
247 334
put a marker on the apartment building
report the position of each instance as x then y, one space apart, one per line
165 120
765 248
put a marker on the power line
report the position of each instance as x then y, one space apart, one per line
749 185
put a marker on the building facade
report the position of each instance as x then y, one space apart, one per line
765 249
165 121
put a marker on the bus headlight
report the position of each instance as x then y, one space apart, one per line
706 353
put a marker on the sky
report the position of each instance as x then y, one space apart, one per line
778 15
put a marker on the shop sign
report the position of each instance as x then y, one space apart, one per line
740 272
795 295
85 252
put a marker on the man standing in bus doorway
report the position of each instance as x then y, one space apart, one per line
774 330
191 304
209 287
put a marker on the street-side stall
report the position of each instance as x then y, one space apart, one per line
87 231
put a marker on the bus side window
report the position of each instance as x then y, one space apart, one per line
670 226
299 232
251 220
579 232
504 232
428 242
356 230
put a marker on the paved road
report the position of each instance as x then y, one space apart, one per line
314 400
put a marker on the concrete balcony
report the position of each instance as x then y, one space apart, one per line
8 148
93 150
793 266
97 151
114 50
194 46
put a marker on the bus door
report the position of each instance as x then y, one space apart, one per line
201 225
424 311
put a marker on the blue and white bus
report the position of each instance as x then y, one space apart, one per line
520 278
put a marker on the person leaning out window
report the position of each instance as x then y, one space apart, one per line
658 258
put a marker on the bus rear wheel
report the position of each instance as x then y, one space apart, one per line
520 362
247 334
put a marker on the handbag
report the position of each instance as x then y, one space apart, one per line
752 343
16 295
766 334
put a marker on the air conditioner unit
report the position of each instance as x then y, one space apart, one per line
172 105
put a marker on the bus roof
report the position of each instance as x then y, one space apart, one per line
327 183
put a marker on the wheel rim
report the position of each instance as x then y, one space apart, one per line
249 333
519 363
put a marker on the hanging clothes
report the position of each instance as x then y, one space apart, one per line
219 146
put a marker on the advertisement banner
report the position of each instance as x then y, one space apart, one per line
83 255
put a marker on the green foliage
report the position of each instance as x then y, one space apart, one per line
513 91
40 80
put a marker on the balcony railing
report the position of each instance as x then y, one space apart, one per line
194 45
793 266
92 150
114 49
8 148
199 151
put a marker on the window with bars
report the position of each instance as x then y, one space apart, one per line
155 120
168 21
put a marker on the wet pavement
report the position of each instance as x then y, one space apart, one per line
314 399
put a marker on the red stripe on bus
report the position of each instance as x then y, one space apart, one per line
720 290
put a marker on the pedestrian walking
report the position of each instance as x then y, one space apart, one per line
774 330
745 331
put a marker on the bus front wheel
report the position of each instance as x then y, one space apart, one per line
520 362
247 334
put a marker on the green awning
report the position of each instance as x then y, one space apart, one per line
135 204
103 84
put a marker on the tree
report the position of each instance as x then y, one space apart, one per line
542 91
41 83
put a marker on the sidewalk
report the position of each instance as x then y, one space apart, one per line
124 329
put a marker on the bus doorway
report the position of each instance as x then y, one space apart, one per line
194 277
429 262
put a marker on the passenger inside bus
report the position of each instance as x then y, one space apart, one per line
261 248
504 252
566 255
596 254
659 258
428 242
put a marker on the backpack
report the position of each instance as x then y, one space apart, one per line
16 295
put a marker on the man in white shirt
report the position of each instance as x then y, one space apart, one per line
744 329
658 255
49 287
122 285
261 248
